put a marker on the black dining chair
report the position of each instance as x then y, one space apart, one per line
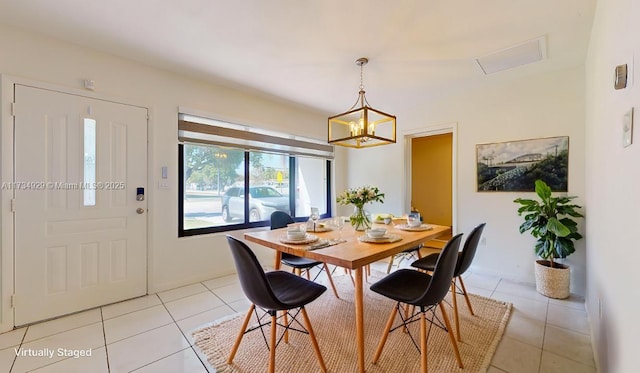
408 254
425 293
280 219
465 257
412 253
272 292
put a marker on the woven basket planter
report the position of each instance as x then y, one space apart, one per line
552 282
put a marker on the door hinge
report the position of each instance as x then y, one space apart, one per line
13 301
13 109
13 205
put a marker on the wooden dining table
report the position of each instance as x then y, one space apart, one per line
352 254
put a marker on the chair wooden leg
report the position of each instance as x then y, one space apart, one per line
272 349
326 269
308 274
406 315
368 270
350 276
285 316
451 337
234 349
387 329
423 342
466 297
454 296
390 263
312 335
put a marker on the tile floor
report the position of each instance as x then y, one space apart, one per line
153 333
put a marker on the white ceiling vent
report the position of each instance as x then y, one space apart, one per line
517 55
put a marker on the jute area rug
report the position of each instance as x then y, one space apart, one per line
333 321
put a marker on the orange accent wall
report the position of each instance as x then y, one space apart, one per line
431 177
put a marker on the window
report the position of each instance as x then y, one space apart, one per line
89 198
237 180
311 186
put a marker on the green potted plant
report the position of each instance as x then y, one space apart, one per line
550 221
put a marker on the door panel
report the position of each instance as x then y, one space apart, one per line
431 193
79 242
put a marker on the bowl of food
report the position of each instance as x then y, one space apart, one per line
384 218
296 236
296 232
376 232
414 223
413 220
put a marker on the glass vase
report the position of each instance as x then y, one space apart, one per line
360 220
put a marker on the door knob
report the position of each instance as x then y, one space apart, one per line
140 210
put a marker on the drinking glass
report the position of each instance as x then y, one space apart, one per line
338 221
413 219
314 216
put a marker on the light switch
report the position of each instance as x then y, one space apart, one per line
627 128
89 85
620 77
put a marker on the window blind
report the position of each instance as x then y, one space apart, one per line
198 130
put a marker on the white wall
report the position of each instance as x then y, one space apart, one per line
613 194
545 105
173 262
538 106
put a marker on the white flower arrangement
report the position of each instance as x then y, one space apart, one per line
360 196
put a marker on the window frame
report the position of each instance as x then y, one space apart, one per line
182 232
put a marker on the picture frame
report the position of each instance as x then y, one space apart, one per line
514 166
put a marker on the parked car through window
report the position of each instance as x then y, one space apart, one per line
263 200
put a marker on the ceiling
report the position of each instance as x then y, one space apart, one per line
304 51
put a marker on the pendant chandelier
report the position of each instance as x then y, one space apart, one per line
362 126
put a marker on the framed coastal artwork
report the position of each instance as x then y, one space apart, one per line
514 166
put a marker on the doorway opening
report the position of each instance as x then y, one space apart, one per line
431 173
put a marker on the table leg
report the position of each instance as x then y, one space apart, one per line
276 264
359 296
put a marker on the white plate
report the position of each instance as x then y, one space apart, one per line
423 227
307 239
388 238
296 238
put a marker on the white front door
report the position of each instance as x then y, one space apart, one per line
80 232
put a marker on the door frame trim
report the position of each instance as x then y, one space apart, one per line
432 130
7 173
